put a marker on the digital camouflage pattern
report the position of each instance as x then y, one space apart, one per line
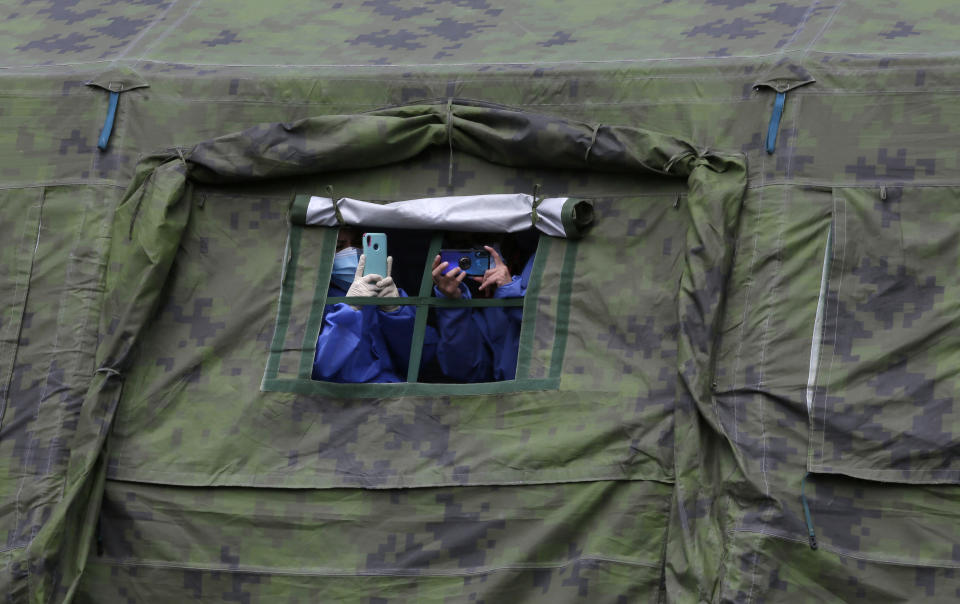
139 287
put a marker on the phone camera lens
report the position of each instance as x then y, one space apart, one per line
465 262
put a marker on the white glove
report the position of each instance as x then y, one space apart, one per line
365 287
388 289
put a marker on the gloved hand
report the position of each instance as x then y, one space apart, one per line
387 288
363 286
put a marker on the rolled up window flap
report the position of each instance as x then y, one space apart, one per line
577 216
498 213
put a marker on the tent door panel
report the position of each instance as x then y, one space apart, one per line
885 402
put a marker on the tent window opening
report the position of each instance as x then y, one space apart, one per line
417 330
448 310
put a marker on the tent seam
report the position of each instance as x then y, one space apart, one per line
743 323
415 572
763 350
166 32
16 524
823 30
129 47
708 59
119 476
839 551
56 351
796 32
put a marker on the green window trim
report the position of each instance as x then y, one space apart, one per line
399 389
302 383
287 281
420 322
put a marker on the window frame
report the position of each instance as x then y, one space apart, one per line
301 383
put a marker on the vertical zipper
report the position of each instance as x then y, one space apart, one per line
817 339
811 534
815 346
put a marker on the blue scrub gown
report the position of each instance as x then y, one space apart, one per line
481 344
369 345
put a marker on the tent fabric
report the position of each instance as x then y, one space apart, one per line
554 216
741 335
150 221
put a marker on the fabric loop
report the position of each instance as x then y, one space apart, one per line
681 155
593 140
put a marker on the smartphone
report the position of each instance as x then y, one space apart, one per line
474 262
375 250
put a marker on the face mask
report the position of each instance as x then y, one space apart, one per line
345 267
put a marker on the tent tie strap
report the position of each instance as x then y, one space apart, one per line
110 371
806 512
336 205
450 143
107 129
678 156
537 200
774 126
181 156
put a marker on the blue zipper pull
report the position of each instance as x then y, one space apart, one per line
108 123
774 126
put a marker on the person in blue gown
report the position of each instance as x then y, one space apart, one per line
480 344
365 344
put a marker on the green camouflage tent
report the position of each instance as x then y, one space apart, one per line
738 376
